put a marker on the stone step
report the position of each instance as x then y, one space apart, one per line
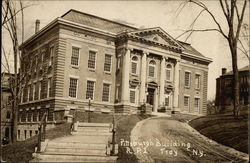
91 133
43 157
76 145
76 151
85 139
83 124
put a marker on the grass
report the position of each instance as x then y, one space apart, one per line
22 151
224 129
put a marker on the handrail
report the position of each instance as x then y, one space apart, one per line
42 131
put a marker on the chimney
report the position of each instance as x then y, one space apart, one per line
224 71
37 26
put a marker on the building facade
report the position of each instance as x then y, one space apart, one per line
6 107
224 88
80 57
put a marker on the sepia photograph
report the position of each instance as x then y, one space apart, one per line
125 81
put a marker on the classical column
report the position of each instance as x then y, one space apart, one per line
162 82
176 85
143 78
125 76
155 100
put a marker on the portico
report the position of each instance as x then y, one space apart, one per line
153 88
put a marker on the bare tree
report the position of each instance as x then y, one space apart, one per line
233 11
10 11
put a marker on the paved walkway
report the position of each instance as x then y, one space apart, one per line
162 139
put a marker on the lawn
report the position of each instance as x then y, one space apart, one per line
22 151
224 129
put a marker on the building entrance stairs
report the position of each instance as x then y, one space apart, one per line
89 142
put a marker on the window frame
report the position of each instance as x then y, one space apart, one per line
188 97
135 62
189 79
76 89
93 98
154 66
109 89
110 66
95 51
199 81
78 59
197 109
170 72
132 90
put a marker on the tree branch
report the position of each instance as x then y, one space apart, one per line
198 3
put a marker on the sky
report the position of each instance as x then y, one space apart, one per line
146 14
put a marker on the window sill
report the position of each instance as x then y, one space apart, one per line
93 70
75 67
106 72
197 89
187 87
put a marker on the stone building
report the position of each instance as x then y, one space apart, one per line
224 88
122 69
6 99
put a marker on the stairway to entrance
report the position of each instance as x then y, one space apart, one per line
90 142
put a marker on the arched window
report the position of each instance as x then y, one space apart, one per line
169 72
151 68
134 64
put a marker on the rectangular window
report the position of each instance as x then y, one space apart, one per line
25 134
91 61
51 55
132 96
133 66
49 89
105 92
8 115
30 133
151 71
186 101
75 56
35 115
90 89
166 101
72 87
187 79
18 134
107 63
168 74
40 90
197 81
197 104
28 93
29 115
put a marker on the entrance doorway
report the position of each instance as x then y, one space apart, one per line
150 96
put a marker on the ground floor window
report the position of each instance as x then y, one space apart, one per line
105 92
18 134
186 101
30 133
7 134
132 96
90 90
167 101
197 104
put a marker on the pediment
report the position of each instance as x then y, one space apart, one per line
157 35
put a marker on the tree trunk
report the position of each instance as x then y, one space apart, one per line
236 94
